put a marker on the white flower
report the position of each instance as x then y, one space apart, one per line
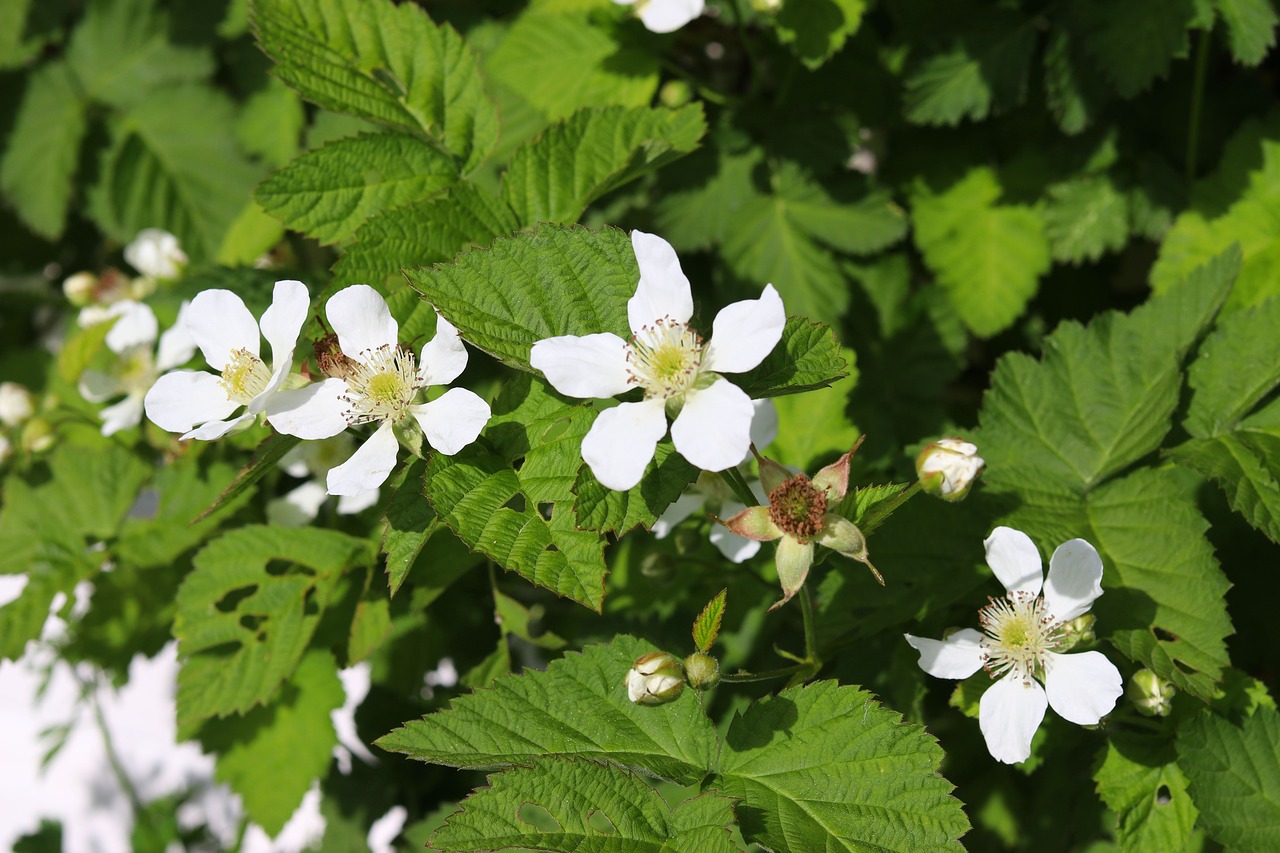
1020 634
665 16
380 384
156 253
139 363
679 373
312 460
199 404
655 678
711 494
947 467
16 404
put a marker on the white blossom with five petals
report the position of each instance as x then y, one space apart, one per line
380 385
1017 645
679 374
201 405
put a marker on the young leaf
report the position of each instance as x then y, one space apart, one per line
1139 779
386 63
579 708
1251 28
987 256
825 767
870 506
814 428
1135 42
1234 772
556 176
271 755
247 612
329 192
816 31
707 626
572 806
1085 218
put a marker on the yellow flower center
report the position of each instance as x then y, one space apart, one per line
245 377
1020 632
665 359
383 386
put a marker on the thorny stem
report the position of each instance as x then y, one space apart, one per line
1197 102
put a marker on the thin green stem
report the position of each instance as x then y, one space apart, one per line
746 677
810 633
1197 104
733 477
113 757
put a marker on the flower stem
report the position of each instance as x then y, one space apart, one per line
1197 102
745 677
810 633
733 477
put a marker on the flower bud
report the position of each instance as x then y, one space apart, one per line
948 467
37 436
675 93
156 253
81 289
1077 632
654 679
769 7
1150 694
703 671
17 404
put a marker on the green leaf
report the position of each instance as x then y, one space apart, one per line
183 491
1251 28
1235 777
707 626
174 159
806 358
409 523
815 427
870 506
265 459
424 233
382 62
38 168
1140 781
81 347
980 72
604 509
559 63
555 281
987 256
1075 89
271 123
1085 218
578 708
825 767
816 31
574 806
555 177
271 755
329 192
247 612
1224 392
1247 467
1135 42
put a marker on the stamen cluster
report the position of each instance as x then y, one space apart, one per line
382 385
245 376
1019 632
664 359
798 507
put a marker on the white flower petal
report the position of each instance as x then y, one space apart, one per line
135 326
621 442
156 253
1013 557
176 344
666 16
362 321
180 400
453 420
219 322
958 656
98 387
1009 714
352 504
369 467
1082 687
590 366
444 357
282 321
299 506
745 332
123 415
764 424
1075 580
217 429
735 548
713 430
314 412
663 290
683 507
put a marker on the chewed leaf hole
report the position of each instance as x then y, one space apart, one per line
278 568
538 817
1162 635
545 508
600 823
229 602
516 503
1163 796
251 621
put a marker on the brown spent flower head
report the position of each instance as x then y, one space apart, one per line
330 358
798 507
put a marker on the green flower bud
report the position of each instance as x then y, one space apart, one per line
948 467
675 93
1150 694
654 679
37 436
702 670
1077 632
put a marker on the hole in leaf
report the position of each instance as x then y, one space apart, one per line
552 548
1163 796
516 503
517 463
538 817
309 605
545 509
229 602
600 823
251 621
278 568
1163 635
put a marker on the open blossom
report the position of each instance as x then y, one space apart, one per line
665 16
679 373
1019 642
201 405
373 380
947 467
155 253
798 516
139 362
